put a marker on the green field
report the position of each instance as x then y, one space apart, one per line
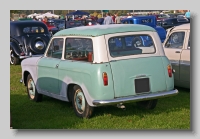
170 113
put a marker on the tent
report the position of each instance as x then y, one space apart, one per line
48 15
32 15
78 13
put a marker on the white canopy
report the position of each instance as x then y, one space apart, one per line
32 15
48 15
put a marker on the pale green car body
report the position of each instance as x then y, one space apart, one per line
55 76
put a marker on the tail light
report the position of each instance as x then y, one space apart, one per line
105 79
169 68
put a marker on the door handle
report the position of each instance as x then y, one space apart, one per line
177 52
57 65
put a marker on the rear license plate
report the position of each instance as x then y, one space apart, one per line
142 85
146 20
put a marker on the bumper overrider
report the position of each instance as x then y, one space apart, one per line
136 98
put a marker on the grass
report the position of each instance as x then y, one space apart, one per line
170 113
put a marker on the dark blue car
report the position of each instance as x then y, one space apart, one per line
149 21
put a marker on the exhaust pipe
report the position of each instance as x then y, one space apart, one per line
120 105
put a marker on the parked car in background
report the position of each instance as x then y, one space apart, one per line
170 22
51 26
93 66
149 21
72 24
175 15
27 38
59 23
159 17
177 49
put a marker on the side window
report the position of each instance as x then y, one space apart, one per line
55 48
188 42
33 30
175 40
79 49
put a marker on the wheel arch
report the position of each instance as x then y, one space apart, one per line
15 48
70 90
25 75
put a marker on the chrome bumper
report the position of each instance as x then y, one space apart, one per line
135 98
23 57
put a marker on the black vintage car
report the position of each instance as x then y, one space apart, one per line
171 22
27 38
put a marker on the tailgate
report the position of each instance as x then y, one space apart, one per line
138 75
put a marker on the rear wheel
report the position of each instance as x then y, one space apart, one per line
32 91
148 104
13 59
81 107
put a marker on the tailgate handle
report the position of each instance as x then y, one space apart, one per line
177 52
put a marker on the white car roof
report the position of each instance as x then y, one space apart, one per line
183 26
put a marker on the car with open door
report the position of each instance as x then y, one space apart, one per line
27 38
177 49
93 66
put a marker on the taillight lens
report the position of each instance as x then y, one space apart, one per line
105 79
169 68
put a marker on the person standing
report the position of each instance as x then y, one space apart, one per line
34 18
129 15
113 18
108 20
117 19
187 14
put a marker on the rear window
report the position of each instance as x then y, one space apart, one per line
131 45
33 30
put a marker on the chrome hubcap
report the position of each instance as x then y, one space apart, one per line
39 45
79 101
11 57
31 89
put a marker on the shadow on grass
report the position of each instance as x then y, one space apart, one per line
164 105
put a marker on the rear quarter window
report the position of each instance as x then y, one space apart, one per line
131 45
33 30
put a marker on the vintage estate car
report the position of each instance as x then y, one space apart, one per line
171 22
94 65
177 49
149 21
27 38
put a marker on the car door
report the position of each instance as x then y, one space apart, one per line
48 67
185 61
173 48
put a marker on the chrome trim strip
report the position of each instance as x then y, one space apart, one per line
22 57
136 98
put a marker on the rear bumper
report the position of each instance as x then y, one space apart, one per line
135 98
